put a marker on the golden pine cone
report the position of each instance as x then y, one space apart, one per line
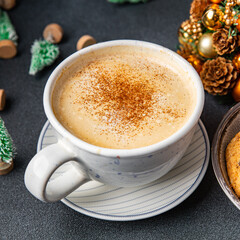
197 9
223 43
185 50
218 76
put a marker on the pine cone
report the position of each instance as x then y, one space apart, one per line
197 9
224 43
218 76
185 50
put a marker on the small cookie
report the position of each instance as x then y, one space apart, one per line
7 49
85 41
5 168
233 163
53 33
2 99
7 4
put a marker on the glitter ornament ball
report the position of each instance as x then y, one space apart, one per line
205 46
212 16
236 61
236 91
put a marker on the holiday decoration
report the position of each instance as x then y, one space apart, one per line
197 9
216 1
124 1
6 150
8 37
236 61
210 41
84 41
186 50
236 91
205 46
189 31
44 54
195 62
218 76
212 17
223 43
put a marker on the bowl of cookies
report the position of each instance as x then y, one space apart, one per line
226 154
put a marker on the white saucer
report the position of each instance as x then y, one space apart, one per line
125 204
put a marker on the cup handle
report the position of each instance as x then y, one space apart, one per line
44 164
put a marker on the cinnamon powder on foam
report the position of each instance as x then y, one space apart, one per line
122 101
124 95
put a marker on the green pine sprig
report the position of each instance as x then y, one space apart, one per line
6 144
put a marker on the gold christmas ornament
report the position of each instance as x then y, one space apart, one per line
236 91
195 62
189 31
184 32
209 52
205 46
212 17
236 61
183 37
229 13
197 9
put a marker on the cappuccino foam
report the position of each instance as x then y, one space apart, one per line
123 100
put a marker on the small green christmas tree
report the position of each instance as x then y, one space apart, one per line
7 30
130 1
6 144
44 54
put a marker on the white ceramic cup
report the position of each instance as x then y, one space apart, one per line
125 167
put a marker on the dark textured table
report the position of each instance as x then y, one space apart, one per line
206 214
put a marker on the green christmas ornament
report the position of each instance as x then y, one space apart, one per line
130 1
44 54
6 144
7 30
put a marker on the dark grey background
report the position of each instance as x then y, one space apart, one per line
206 214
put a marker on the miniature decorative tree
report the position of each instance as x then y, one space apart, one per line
7 30
6 150
8 37
44 54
